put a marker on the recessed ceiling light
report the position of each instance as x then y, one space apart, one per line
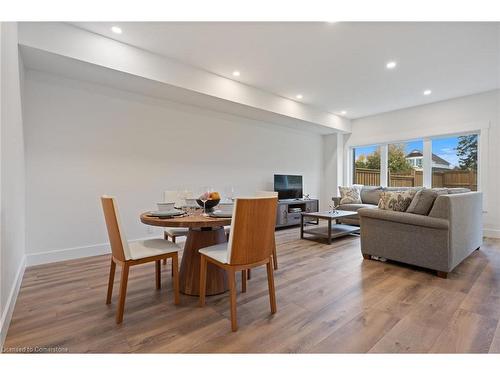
116 30
299 96
343 112
427 92
391 64
236 73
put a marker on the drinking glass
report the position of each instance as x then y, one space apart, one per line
230 193
204 198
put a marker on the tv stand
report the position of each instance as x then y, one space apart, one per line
285 218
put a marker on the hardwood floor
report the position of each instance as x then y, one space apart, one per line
329 299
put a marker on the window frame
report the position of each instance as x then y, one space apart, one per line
427 158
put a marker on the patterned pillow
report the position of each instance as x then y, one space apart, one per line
350 194
396 200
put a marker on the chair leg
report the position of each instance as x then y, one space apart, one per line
175 277
232 293
203 279
111 281
249 274
158 274
243 281
123 293
172 271
275 259
165 235
270 282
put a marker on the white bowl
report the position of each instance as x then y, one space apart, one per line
165 206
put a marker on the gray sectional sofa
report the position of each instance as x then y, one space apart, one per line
438 241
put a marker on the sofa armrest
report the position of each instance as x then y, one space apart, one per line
403 218
464 212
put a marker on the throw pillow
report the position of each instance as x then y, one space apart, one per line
422 202
350 194
371 194
396 200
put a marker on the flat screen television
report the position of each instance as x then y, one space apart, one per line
288 186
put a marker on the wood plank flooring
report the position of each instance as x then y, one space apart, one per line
330 300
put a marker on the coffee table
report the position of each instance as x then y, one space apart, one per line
333 230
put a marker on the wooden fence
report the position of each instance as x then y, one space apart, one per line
450 179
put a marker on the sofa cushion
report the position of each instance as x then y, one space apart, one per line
440 191
422 202
355 206
396 200
458 190
350 194
371 194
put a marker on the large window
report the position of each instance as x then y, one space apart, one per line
367 165
454 162
451 161
405 164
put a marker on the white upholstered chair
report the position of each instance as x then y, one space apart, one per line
134 253
250 245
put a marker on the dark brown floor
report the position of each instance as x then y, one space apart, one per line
329 300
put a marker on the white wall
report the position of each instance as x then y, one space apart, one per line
333 167
469 113
12 177
69 41
84 140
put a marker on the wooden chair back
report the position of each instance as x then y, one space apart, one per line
119 244
251 239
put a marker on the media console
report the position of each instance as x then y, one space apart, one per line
289 214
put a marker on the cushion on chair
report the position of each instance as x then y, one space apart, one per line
149 248
371 194
350 194
176 232
218 252
396 200
422 202
227 229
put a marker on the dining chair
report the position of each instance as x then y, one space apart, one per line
250 245
134 253
174 196
227 229
173 233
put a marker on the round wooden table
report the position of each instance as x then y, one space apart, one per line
203 232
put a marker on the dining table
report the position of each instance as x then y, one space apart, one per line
203 231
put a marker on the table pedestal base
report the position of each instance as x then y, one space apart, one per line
189 275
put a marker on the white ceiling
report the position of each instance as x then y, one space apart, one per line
335 66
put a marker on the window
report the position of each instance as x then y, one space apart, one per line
405 164
454 162
367 165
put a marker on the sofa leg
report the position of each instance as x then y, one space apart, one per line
441 274
367 256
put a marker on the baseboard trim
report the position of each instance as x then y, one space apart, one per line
11 303
492 233
44 257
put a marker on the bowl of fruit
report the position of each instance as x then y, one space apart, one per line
212 200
